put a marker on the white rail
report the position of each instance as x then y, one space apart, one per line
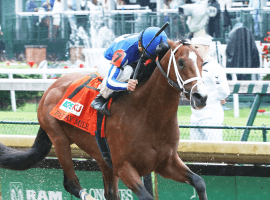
43 84
47 71
33 84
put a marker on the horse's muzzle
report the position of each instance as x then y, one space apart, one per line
199 97
198 101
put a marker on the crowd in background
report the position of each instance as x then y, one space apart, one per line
55 6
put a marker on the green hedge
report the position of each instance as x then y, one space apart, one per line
21 96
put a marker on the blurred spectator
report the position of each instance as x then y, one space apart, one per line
57 8
82 20
166 5
172 17
96 22
85 4
188 2
182 19
48 21
216 85
223 3
47 4
214 22
144 3
32 20
198 15
105 5
227 19
71 18
2 46
241 51
255 4
122 2
31 6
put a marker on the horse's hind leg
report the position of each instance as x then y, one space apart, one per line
63 151
175 169
110 183
132 180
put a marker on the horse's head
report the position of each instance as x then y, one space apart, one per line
184 69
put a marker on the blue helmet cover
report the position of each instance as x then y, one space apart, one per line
148 34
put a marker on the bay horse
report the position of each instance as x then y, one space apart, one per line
142 130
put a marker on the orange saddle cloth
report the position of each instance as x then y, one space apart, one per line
74 108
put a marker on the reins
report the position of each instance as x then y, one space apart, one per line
180 82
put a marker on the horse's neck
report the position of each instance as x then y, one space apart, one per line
159 94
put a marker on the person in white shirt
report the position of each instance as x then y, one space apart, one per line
215 81
57 9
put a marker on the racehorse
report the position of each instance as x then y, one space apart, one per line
142 130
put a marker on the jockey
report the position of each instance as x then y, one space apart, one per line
114 66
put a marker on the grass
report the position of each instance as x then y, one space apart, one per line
28 113
184 113
14 65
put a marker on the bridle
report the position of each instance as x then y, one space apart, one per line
180 85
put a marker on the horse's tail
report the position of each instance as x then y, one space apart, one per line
15 159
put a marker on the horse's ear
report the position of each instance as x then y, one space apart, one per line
170 42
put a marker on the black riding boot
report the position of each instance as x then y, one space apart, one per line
100 104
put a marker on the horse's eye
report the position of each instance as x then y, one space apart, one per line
181 63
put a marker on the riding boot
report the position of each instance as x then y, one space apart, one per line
104 109
98 104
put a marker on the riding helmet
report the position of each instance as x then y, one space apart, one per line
147 35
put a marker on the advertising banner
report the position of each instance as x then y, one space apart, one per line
47 184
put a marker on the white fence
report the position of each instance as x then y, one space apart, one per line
43 84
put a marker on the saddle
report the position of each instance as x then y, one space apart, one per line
74 108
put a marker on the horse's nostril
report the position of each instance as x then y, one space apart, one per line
198 100
197 95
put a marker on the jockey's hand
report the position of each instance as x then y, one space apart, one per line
132 84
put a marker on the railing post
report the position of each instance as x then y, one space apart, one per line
12 95
264 132
252 115
235 100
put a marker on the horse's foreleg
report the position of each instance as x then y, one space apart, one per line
132 180
110 183
176 169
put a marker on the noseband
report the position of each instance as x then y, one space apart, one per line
180 82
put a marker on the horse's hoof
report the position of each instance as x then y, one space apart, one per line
85 196
89 197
